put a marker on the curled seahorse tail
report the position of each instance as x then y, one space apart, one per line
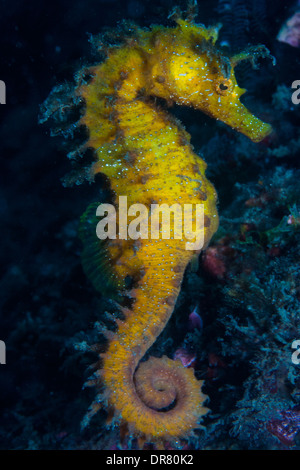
158 399
162 383
161 401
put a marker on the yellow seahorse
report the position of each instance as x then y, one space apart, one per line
147 156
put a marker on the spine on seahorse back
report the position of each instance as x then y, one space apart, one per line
148 158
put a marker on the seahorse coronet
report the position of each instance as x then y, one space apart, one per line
147 156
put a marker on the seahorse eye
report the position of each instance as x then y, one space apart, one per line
223 86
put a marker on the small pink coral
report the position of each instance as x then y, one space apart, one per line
187 358
290 31
195 321
213 262
287 427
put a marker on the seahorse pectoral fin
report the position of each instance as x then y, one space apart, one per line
97 259
111 264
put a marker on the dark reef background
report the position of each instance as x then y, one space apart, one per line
247 286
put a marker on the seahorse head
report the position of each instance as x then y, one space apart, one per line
193 72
